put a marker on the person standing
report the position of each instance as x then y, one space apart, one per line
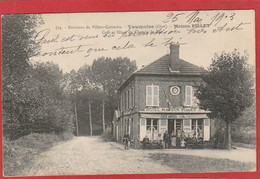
166 139
126 141
173 139
145 142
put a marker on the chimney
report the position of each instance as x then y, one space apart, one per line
174 58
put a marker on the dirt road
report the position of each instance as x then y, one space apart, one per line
90 155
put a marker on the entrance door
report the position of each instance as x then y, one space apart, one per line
170 125
175 125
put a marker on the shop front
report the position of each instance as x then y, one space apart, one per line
178 125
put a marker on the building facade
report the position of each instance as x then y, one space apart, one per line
160 97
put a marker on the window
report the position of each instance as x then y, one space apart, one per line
197 127
178 125
130 98
126 100
133 99
188 95
152 95
186 122
155 124
121 102
148 124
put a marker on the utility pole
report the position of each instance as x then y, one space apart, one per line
77 126
90 118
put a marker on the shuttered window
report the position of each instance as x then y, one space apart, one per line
188 95
152 95
133 97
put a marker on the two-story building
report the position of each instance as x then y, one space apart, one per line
160 97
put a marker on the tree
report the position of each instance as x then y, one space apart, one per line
228 88
17 48
108 74
55 107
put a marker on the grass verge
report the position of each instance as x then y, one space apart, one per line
248 146
20 154
195 164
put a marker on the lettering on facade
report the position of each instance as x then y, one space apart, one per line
173 109
174 116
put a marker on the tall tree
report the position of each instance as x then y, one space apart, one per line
228 88
108 74
17 48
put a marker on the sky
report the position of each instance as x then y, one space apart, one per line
74 39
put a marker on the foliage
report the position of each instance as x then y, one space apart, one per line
18 154
94 84
39 98
18 47
244 128
33 99
228 88
108 74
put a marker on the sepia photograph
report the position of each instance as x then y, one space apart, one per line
149 92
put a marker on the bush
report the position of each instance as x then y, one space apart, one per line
218 140
107 135
19 154
244 137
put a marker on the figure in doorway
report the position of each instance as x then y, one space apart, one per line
126 141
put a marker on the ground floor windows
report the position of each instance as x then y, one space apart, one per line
152 128
197 128
155 128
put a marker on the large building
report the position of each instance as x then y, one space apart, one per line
160 97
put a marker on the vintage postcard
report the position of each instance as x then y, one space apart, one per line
129 92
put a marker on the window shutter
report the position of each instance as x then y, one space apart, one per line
142 128
156 95
188 95
206 129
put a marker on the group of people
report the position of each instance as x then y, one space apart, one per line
172 140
